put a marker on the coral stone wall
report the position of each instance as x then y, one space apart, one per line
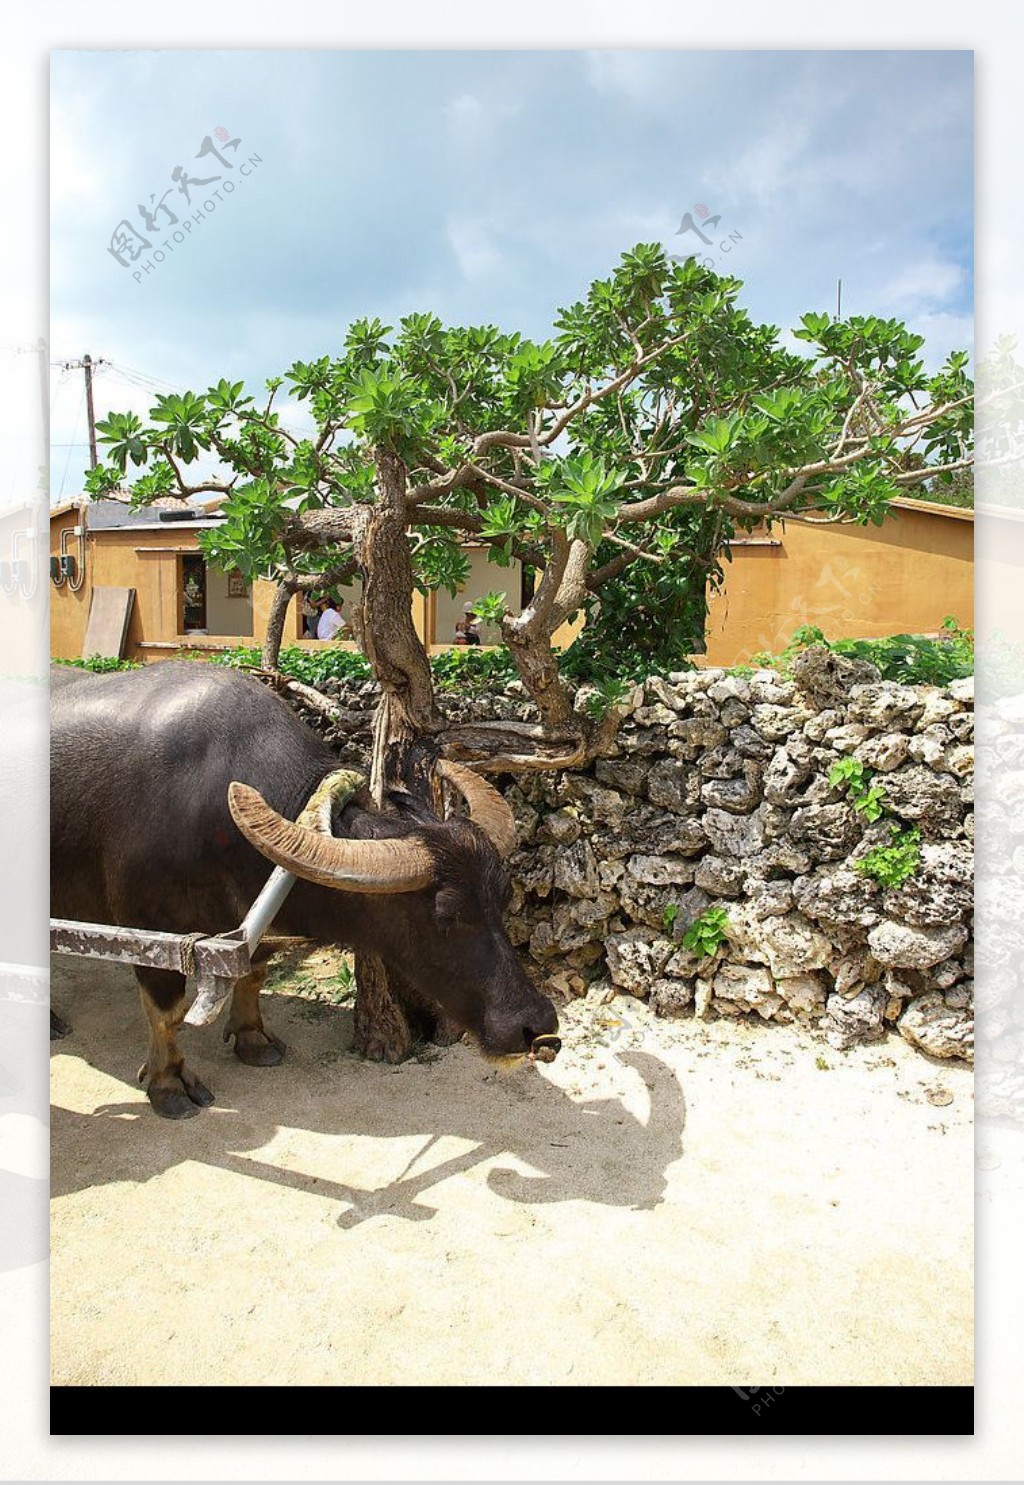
719 794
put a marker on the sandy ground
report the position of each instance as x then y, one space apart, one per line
668 1203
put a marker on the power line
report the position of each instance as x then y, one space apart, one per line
87 365
145 376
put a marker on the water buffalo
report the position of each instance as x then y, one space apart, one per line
143 834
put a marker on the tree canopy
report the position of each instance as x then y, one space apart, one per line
615 459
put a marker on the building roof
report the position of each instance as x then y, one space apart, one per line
117 515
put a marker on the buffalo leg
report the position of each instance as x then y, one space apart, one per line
383 1032
174 1091
254 1044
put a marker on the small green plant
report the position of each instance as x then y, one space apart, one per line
472 670
670 915
101 664
911 659
707 933
344 983
866 798
869 803
891 865
311 667
606 695
491 608
821 1064
849 771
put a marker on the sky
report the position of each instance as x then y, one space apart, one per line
487 187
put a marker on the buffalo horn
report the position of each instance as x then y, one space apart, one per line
486 806
352 865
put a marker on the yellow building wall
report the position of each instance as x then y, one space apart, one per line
850 581
853 582
484 577
148 561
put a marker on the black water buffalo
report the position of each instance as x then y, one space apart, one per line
143 834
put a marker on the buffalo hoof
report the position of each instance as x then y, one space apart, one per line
178 1095
258 1048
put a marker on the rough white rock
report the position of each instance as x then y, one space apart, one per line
937 1028
736 795
734 835
884 752
907 947
788 772
636 959
885 705
789 944
659 870
804 994
723 876
859 1018
718 793
576 870
748 986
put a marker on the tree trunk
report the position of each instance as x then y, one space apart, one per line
561 593
405 726
283 595
538 670
407 709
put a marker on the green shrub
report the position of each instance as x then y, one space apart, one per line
911 659
101 664
706 933
891 865
866 798
314 667
470 669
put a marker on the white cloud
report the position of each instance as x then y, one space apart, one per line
927 282
473 241
625 73
474 128
465 117
767 170
943 332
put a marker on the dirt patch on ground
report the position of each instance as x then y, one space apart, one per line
668 1203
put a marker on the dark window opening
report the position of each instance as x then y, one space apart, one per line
193 584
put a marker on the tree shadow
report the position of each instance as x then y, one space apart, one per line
595 1150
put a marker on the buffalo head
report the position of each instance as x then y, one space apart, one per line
435 892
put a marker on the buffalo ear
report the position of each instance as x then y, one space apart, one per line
447 905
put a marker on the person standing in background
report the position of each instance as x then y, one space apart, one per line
331 623
467 630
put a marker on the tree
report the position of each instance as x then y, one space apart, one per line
615 459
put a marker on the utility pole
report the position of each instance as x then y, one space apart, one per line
89 410
87 364
839 299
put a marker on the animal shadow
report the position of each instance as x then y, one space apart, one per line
541 1145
